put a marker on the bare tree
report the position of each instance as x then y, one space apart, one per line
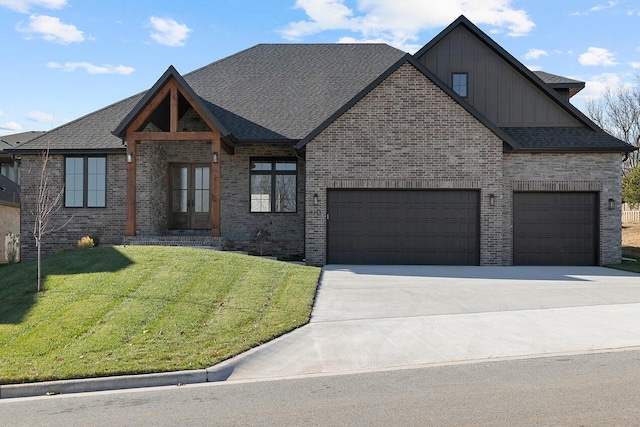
48 202
618 113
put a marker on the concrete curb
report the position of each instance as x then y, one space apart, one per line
101 384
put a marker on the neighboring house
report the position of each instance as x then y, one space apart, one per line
10 166
348 153
9 213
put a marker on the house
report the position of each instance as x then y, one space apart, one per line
9 166
348 153
9 219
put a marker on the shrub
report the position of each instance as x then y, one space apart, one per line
12 248
86 242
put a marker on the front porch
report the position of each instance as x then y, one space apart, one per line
177 155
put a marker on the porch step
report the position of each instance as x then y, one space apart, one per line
174 240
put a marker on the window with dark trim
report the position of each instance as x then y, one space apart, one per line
85 181
460 84
274 185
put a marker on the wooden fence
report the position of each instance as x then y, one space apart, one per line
630 215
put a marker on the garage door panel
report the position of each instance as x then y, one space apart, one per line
403 227
555 228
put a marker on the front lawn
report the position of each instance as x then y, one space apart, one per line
127 310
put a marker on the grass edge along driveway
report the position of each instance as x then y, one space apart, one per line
116 310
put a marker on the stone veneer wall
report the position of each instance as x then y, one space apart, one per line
598 172
239 226
105 223
405 133
151 188
9 223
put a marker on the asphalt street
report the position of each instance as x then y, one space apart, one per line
595 389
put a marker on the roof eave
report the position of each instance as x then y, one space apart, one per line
629 149
18 150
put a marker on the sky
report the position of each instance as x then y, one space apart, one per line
63 59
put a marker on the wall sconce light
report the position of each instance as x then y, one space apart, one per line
129 157
612 204
492 199
315 199
215 157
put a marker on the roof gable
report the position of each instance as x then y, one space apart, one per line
560 103
430 76
150 102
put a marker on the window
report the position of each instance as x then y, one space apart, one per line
85 182
274 185
460 84
11 170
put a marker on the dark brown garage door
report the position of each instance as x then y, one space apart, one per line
555 228
403 227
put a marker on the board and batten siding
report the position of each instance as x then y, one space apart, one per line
496 89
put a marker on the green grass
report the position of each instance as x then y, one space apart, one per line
128 310
631 266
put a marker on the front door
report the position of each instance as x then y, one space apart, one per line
189 196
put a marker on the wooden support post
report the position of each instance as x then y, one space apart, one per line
173 114
130 225
216 189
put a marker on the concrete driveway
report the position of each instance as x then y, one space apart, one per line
381 317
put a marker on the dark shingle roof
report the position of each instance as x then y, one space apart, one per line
10 141
9 191
565 139
289 89
268 92
554 79
560 82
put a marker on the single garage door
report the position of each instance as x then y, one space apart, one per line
555 228
403 227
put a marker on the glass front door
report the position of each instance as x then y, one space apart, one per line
190 196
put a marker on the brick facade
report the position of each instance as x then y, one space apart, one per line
239 226
107 223
405 133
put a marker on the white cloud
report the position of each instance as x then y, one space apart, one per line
611 4
40 117
12 126
399 22
168 32
24 5
635 65
596 85
91 68
535 54
600 7
534 67
52 29
597 56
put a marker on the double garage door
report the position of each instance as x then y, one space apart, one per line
442 227
403 227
